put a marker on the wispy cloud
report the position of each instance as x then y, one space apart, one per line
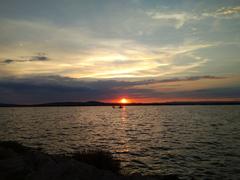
97 57
8 61
38 57
224 12
178 19
80 51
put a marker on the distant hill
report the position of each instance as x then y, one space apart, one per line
89 103
97 103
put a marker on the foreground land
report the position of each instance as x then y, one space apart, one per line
18 162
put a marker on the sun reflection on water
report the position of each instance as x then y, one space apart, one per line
123 113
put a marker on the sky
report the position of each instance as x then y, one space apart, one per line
104 50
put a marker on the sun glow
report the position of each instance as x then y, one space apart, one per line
124 101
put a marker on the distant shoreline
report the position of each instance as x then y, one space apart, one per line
96 103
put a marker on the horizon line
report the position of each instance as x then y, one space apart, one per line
102 103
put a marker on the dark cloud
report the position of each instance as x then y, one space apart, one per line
103 84
38 57
49 89
208 93
190 78
8 61
153 81
56 88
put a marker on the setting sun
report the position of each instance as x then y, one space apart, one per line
124 101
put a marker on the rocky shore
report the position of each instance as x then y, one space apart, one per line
18 162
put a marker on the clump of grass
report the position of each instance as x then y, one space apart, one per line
99 158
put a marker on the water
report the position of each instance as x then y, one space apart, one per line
191 141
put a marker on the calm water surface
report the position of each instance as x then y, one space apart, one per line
191 141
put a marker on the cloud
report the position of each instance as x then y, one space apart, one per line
225 12
56 88
127 84
38 57
79 53
178 19
209 93
229 11
93 83
8 61
189 78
